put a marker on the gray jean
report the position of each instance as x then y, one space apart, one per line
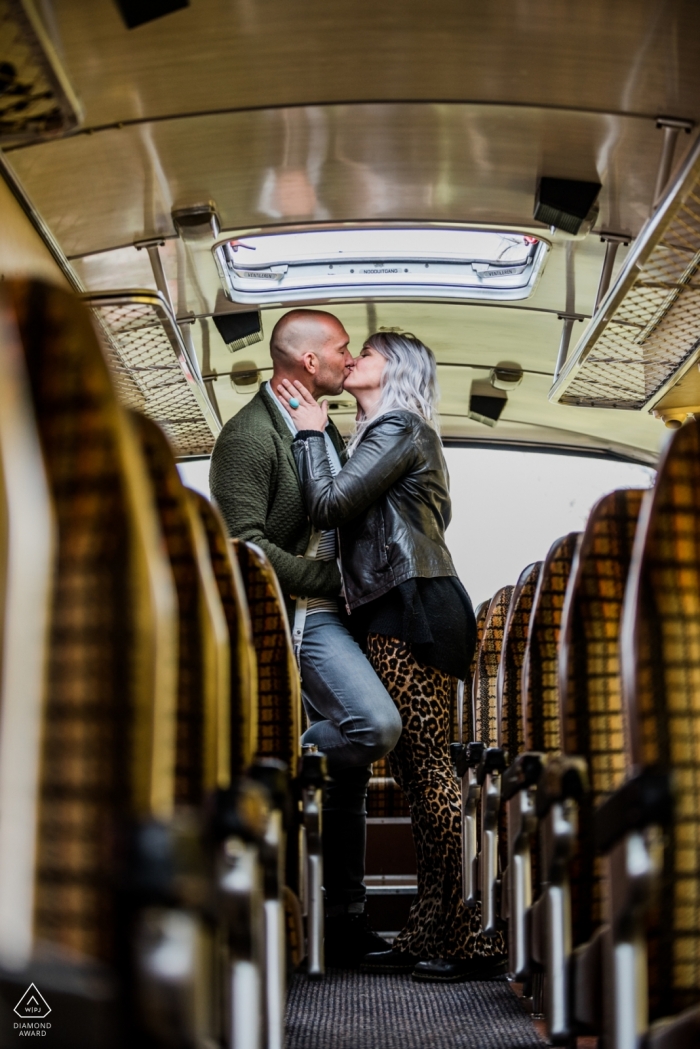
353 720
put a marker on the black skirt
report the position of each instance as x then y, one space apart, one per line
434 616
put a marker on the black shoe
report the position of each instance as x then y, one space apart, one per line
388 962
348 939
441 970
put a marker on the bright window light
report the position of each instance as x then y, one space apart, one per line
533 498
380 263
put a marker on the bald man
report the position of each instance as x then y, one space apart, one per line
352 718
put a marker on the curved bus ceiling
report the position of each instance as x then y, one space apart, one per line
294 115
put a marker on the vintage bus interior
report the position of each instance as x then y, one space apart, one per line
519 185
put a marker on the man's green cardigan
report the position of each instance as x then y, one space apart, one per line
254 481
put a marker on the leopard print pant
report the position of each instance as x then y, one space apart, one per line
439 925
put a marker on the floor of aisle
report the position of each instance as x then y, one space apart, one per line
348 1010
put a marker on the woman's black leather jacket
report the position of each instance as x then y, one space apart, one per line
390 503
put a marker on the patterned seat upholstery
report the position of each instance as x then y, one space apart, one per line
555 804
509 706
244 669
279 688
203 682
385 800
541 714
511 731
107 748
516 811
590 685
661 693
465 715
485 721
487 660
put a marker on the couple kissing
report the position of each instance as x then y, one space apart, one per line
381 622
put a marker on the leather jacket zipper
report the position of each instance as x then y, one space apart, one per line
340 569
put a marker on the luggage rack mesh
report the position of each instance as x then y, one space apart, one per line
151 368
647 331
36 99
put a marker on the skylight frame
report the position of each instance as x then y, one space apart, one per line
450 276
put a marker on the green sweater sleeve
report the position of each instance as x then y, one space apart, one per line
243 504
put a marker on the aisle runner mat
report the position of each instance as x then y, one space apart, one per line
350 1010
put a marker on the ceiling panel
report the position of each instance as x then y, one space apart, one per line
348 112
458 163
628 56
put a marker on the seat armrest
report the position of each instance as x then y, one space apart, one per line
522 774
678 1032
466 756
645 800
314 770
475 754
493 760
458 753
586 982
562 777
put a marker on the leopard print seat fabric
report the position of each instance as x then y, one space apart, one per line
439 925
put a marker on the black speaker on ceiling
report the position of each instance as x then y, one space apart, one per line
565 203
138 12
486 403
239 329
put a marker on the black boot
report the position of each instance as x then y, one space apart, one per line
348 939
440 970
387 962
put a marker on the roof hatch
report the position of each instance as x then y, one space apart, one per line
433 263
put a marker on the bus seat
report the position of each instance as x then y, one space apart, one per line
107 749
480 614
203 756
493 763
511 731
203 782
384 798
559 787
591 704
660 657
244 668
486 664
519 780
27 554
279 688
271 773
540 694
279 732
466 756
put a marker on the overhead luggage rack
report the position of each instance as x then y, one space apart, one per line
37 100
153 371
646 334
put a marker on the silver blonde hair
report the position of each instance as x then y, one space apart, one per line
409 380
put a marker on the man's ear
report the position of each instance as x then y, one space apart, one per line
310 361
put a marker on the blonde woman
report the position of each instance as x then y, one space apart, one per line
390 503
